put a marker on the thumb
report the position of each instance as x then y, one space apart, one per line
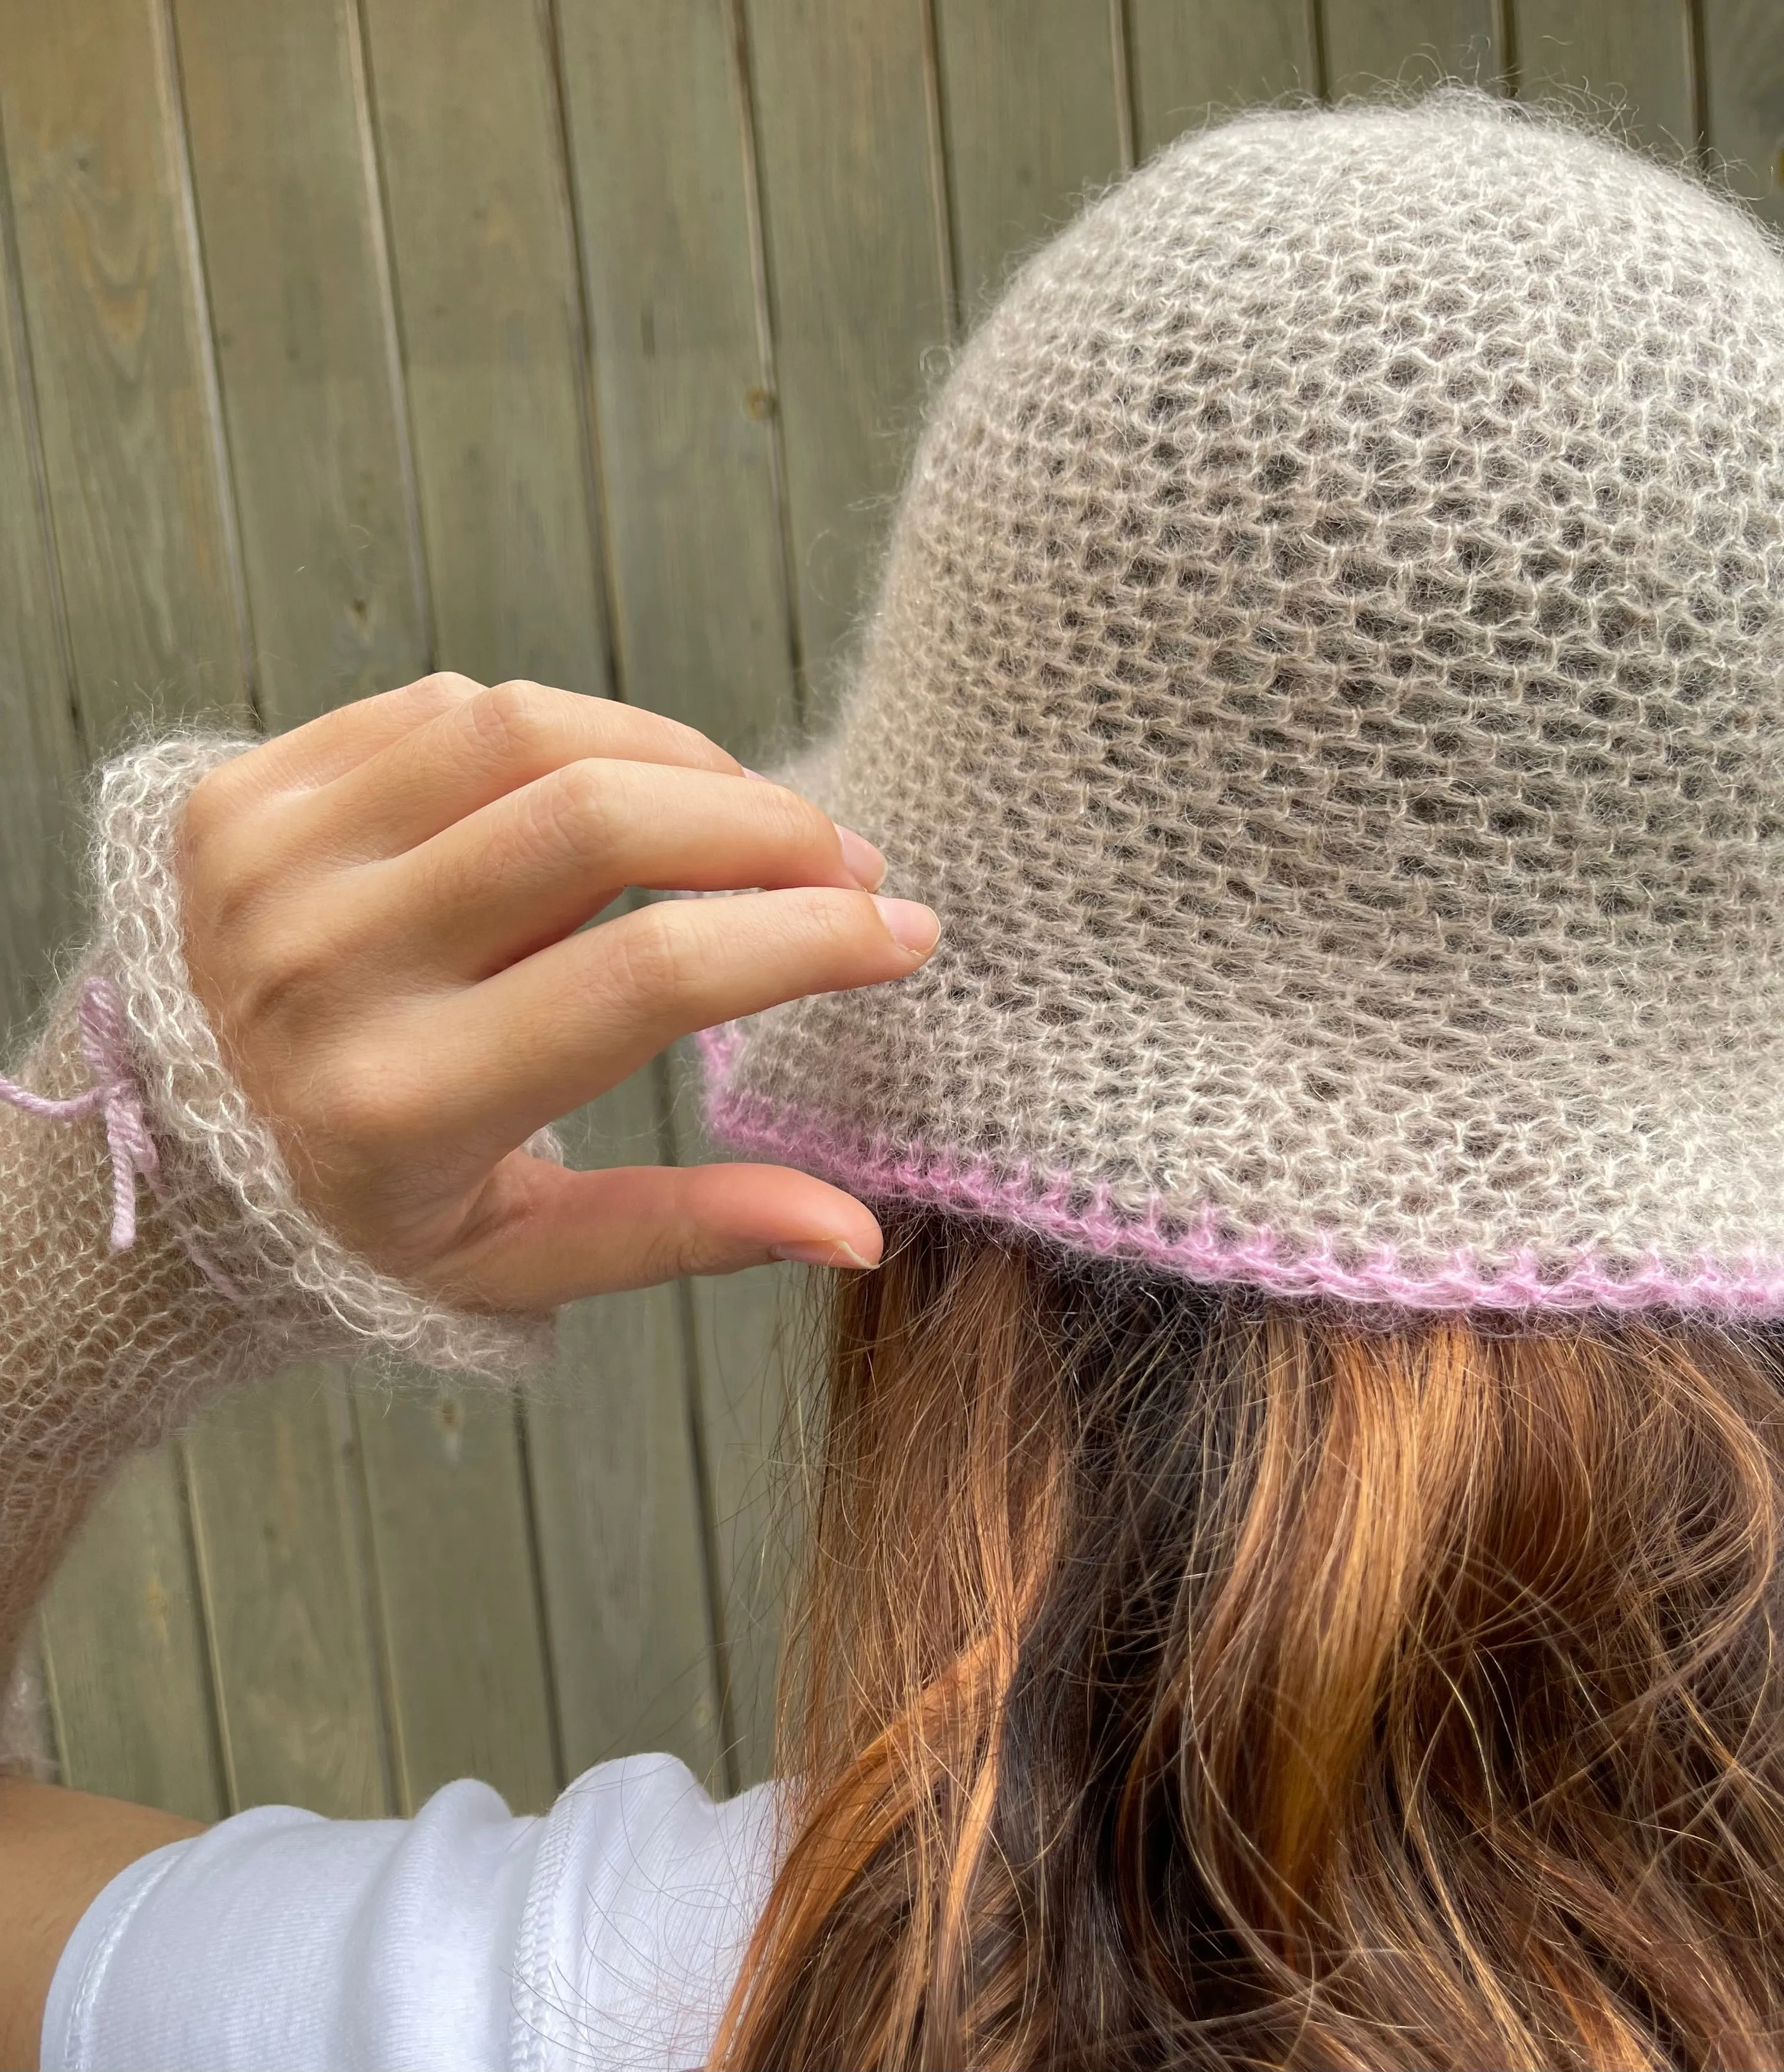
545 1234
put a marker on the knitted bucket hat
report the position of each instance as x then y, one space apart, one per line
1329 676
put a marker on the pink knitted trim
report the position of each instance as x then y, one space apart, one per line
1038 1202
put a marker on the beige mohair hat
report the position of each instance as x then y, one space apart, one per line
1329 676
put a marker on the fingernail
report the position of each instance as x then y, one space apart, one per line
866 864
911 924
822 1251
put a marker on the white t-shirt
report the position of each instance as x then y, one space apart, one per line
607 1933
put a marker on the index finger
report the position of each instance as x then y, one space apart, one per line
481 748
320 750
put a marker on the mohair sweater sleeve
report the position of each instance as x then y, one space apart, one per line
227 1276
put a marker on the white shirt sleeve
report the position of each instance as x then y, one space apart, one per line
607 1933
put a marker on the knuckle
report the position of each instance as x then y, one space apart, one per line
284 965
797 823
681 1243
209 806
362 1104
574 809
509 721
438 692
650 956
680 1255
662 1255
698 749
230 870
839 923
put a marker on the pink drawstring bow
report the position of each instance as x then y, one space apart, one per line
115 1093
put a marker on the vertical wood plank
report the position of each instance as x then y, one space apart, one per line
661 129
746 1365
136 484
1187 58
458 1594
293 241
125 1650
40 770
1410 43
467 117
617 1502
1743 50
860 288
1633 60
1031 120
749 1366
293 248
113 306
275 1479
685 400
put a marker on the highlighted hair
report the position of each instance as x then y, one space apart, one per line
1195 1679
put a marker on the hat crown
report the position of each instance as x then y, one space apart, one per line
1329 675
1394 492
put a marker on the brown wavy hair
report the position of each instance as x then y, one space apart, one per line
1188 1678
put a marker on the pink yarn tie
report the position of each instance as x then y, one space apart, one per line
114 1093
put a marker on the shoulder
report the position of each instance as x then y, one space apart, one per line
608 1932
646 1894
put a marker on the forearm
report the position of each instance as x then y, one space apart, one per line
108 1335
99 1349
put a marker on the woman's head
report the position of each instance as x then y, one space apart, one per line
1197 1678
1294 1576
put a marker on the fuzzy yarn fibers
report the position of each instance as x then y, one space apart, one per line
1329 675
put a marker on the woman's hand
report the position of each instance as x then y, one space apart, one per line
383 914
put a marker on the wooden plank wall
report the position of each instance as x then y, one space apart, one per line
584 340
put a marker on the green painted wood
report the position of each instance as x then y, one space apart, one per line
1629 64
751 1361
617 1502
293 241
39 774
467 118
859 280
1186 59
125 1650
135 478
660 132
113 308
1030 122
1744 51
276 1516
684 394
662 138
457 1591
293 238
1373 44
746 1363
489 312
843 97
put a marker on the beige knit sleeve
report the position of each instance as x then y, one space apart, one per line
228 1274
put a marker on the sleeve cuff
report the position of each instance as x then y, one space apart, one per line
238 1204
